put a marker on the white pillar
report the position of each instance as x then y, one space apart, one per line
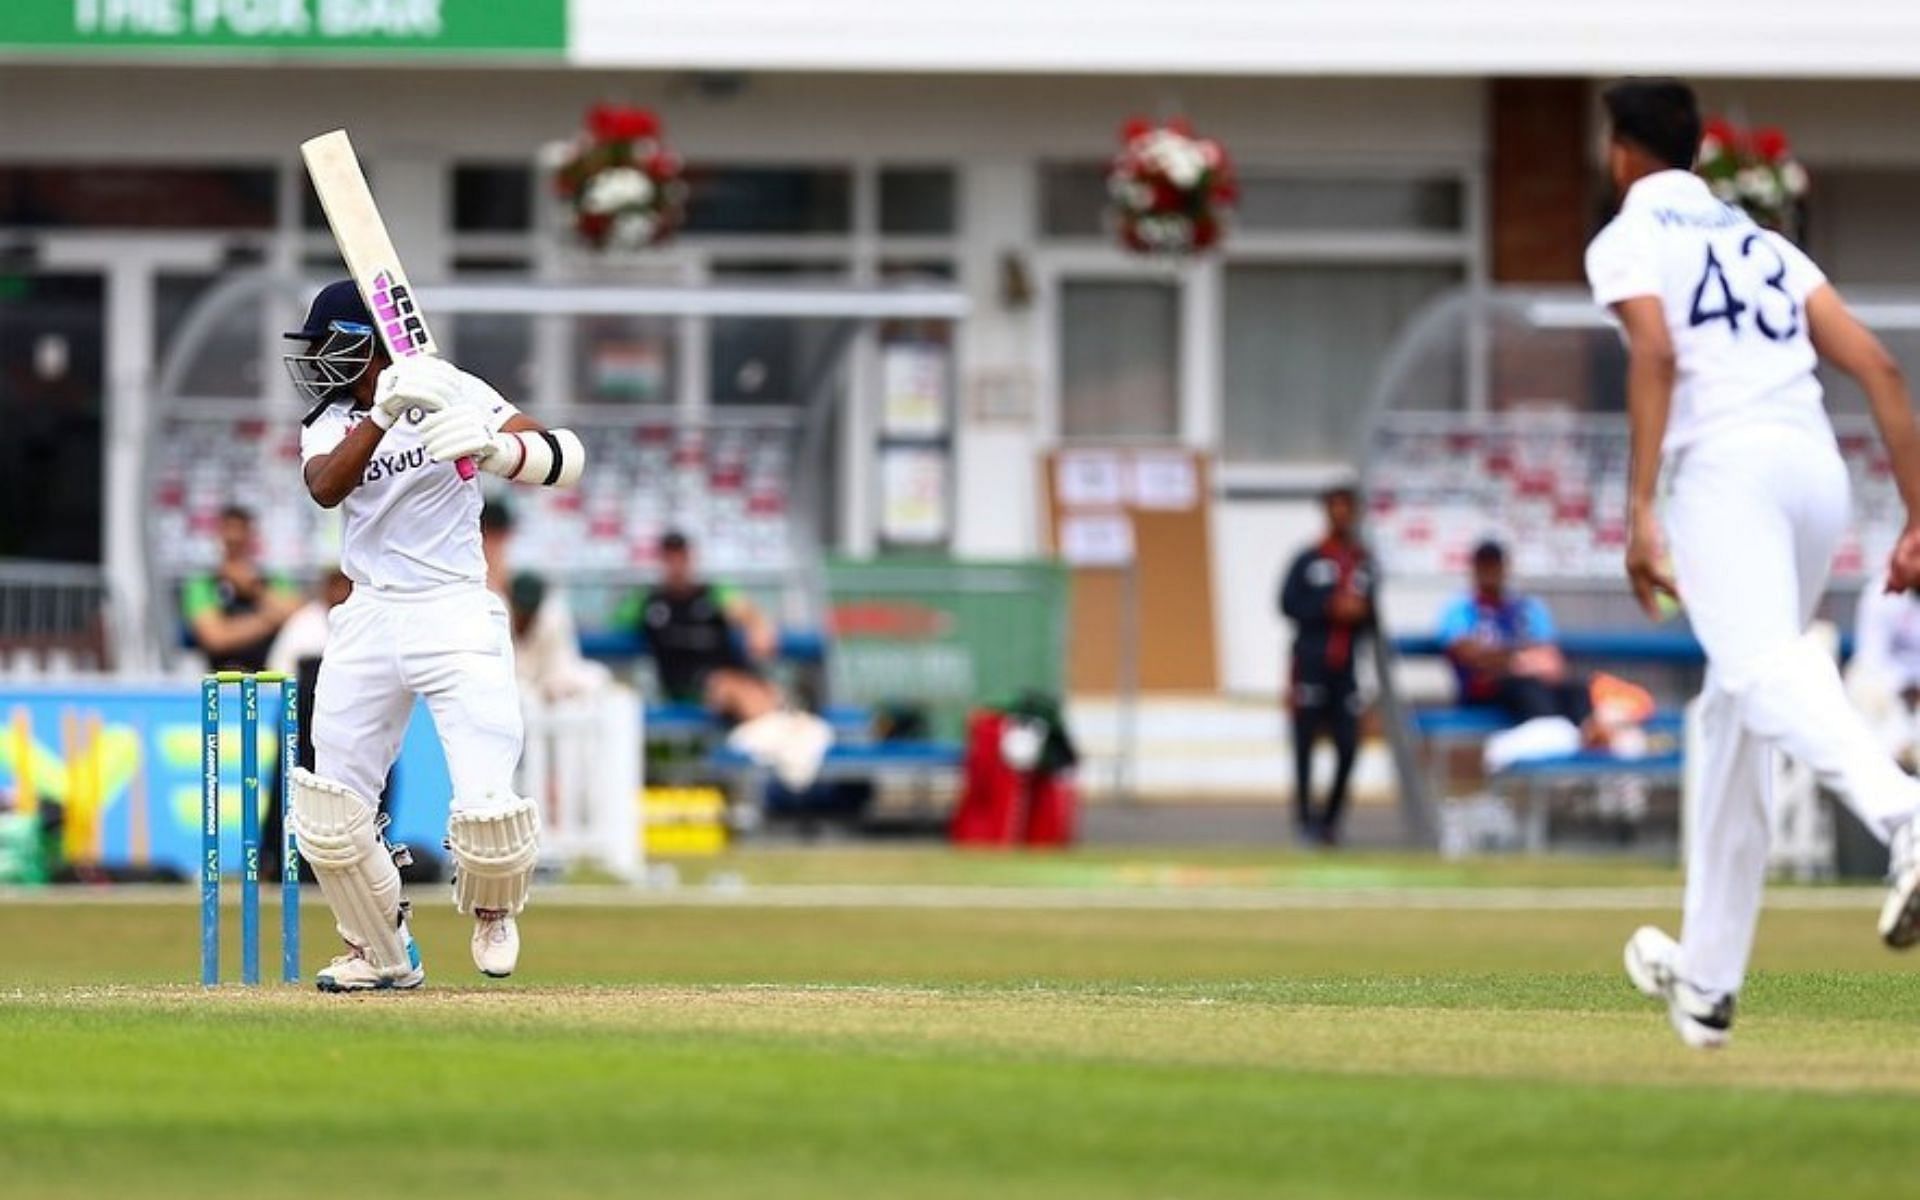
997 438
129 267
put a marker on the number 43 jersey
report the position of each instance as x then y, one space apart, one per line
1735 298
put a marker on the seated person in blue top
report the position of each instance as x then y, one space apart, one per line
709 643
1502 646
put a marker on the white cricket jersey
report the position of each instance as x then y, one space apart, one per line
1735 298
413 524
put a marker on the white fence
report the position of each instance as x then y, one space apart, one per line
582 765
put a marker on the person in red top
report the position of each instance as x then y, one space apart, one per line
1329 596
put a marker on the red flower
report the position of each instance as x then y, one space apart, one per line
1770 143
594 227
1722 130
617 123
1166 198
1153 214
661 164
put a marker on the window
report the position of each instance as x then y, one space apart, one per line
126 196
492 199
1302 345
917 201
769 360
228 364
52 377
498 347
1073 199
1279 204
624 360
788 200
313 218
1119 359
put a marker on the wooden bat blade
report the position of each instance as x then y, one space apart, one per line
365 244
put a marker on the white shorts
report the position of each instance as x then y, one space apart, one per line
452 647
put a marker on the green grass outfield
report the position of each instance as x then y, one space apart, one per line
1152 1025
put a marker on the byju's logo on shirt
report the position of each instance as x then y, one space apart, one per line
386 466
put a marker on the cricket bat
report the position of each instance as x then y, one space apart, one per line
371 258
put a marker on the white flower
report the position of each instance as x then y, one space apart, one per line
1793 177
1710 149
615 189
1181 163
633 231
1758 186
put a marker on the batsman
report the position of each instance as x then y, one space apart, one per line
382 443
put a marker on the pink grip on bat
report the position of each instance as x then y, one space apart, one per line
465 467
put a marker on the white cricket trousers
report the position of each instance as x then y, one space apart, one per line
452 647
1753 518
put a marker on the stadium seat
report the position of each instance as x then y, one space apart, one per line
850 722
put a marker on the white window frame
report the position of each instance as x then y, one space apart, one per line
1201 281
860 253
1465 248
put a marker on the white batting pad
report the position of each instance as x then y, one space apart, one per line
494 851
338 834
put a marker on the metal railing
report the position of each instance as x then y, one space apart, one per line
54 617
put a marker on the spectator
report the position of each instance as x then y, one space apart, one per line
546 646
234 612
1329 596
304 636
1883 679
710 644
1502 646
496 530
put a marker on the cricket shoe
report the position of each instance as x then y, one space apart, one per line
1900 915
355 972
496 942
1702 1020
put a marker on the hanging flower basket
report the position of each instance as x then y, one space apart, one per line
1756 170
623 185
1169 190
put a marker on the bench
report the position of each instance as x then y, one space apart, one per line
919 763
803 646
1458 723
1475 722
690 722
854 756
858 762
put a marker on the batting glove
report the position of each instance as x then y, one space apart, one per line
455 433
423 385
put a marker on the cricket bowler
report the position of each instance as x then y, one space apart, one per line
381 442
1725 323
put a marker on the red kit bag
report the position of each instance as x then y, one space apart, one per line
989 809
